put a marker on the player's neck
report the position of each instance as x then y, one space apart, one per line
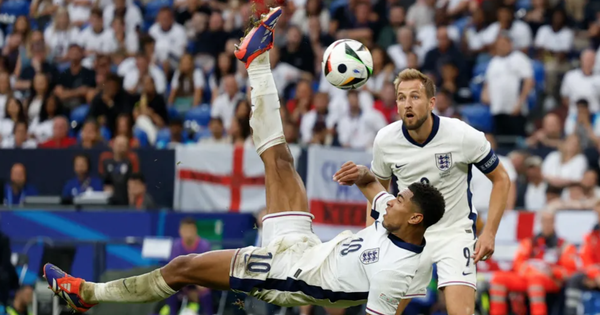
411 235
422 133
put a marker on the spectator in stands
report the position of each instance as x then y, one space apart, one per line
123 40
117 166
38 65
387 35
109 103
548 138
42 127
311 8
60 35
580 83
5 92
150 112
74 83
283 73
444 52
83 180
588 278
482 186
17 189
125 10
538 15
290 132
133 81
60 135
302 102
13 113
298 51
95 39
475 32
40 91
541 265
240 132
225 104
80 11
518 31
187 85
580 195
90 136
319 39
190 243
405 43
170 38
125 128
319 114
357 128
363 25
11 50
147 45
243 109
22 301
533 191
139 198
444 105
554 41
507 91
214 34
586 127
386 104
175 135
565 166
383 72
19 138
217 132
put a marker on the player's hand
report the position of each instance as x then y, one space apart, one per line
348 174
484 248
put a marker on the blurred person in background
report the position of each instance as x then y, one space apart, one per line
79 11
170 37
42 127
302 101
13 112
189 242
290 132
123 40
538 14
298 51
386 104
95 39
284 73
138 196
175 135
553 42
586 127
517 30
243 109
21 302
125 129
382 72
109 103
506 91
74 83
533 191
565 166
445 52
147 44
580 83
39 64
217 132
475 33
60 135
150 112
133 81
226 66
357 128
542 263
312 8
224 105
59 35
40 91
397 19
125 10
117 166
451 81
319 114
444 104
83 180
10 51
240 132
19 138
548 138
5 92
17 189
589 277
187 85
482 186
405 44
90 136
214 34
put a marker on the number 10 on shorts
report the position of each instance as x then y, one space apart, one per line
258 263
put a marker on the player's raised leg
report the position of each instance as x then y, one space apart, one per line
284 187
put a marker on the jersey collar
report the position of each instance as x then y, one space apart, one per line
434 130
417 249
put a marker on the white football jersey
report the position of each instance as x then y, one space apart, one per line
444 160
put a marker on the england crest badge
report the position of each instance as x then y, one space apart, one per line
370 256
443 161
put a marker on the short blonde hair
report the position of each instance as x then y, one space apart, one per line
414 74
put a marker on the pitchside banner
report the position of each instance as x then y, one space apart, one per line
335 207
220 177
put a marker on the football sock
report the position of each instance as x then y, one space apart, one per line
267 128
149 287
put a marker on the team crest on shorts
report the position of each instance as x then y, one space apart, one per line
443 161
370 256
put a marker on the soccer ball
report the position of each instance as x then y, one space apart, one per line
347 64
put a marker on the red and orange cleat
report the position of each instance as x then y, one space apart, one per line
260 37
66 287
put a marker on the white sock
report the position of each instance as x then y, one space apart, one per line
267 128
149 287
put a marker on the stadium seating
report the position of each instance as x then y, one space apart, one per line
478 116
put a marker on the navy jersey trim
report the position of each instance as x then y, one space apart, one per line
379 176
374 212
417 249
472 215
488 163
370 310
295 285
434 131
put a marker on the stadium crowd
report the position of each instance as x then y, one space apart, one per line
123 74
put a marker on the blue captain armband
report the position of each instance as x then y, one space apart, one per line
488 163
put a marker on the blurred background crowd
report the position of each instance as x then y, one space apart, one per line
128 78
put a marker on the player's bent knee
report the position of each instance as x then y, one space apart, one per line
460 300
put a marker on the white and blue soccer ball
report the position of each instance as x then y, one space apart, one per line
347 64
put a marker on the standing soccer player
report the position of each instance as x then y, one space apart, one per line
440 151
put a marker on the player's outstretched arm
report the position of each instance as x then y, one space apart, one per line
359 175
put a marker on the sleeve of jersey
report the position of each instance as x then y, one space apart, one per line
478 151
379 204
378 166
385 293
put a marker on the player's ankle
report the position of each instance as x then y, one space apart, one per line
87 292
261 63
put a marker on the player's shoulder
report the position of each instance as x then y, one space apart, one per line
572 73
389 133
454 128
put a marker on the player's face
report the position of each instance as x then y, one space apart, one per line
400 213
413 104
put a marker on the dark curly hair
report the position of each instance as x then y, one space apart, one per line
429 202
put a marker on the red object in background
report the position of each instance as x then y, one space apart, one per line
59 144
262 6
